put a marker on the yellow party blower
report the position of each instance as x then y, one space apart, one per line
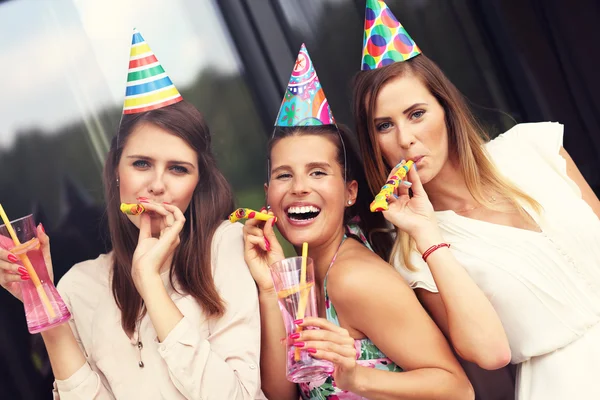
249 213
132 209
380 203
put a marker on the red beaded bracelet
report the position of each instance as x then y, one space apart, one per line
434 248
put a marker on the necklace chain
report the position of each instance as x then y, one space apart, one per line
467 209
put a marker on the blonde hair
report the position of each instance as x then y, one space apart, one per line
466 140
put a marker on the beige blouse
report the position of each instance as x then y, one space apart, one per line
200 358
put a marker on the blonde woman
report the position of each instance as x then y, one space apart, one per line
495 234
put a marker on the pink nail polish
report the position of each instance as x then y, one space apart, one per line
298 322
267 244
299 344
22 270
25 277
311 350
295 336
12 258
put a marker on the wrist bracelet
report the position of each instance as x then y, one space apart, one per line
434 248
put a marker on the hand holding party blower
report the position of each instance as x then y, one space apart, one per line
380 203
249 213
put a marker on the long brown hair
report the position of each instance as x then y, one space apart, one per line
211 203
349 161
466 138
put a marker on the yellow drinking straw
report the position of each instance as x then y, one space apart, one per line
30 270
303 293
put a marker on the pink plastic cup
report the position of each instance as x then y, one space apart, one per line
286 278
39 316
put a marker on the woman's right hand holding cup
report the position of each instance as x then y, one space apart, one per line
261 249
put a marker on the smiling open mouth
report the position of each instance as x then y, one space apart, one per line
303 213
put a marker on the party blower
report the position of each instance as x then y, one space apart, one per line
380 203
242 213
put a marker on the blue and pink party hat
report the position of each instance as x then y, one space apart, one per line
304 103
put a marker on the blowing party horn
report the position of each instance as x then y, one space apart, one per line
380 203
132 209
249 213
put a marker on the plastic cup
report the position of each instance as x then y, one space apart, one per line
301 367
44 308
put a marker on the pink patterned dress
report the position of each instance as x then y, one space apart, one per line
368 354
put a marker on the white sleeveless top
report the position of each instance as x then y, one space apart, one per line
544 286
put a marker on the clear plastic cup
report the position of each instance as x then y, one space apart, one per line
44 308
286 274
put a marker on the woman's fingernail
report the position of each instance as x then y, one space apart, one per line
295 336
267 244
298 322
143 201
299 344
22 271
396 196
311 350
274 220
42 227
415 166
12 258
25 277
167 203
263 210
407 183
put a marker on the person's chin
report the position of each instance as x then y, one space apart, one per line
298 235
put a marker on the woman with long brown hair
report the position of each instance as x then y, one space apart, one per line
171 312
500 239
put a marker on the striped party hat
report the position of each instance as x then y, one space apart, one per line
386 41
304 103
148 85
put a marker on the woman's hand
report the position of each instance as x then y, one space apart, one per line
331 343
261 249
12 271
415 214
152 253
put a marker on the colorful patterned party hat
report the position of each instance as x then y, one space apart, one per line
304 103
386 41
148 85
